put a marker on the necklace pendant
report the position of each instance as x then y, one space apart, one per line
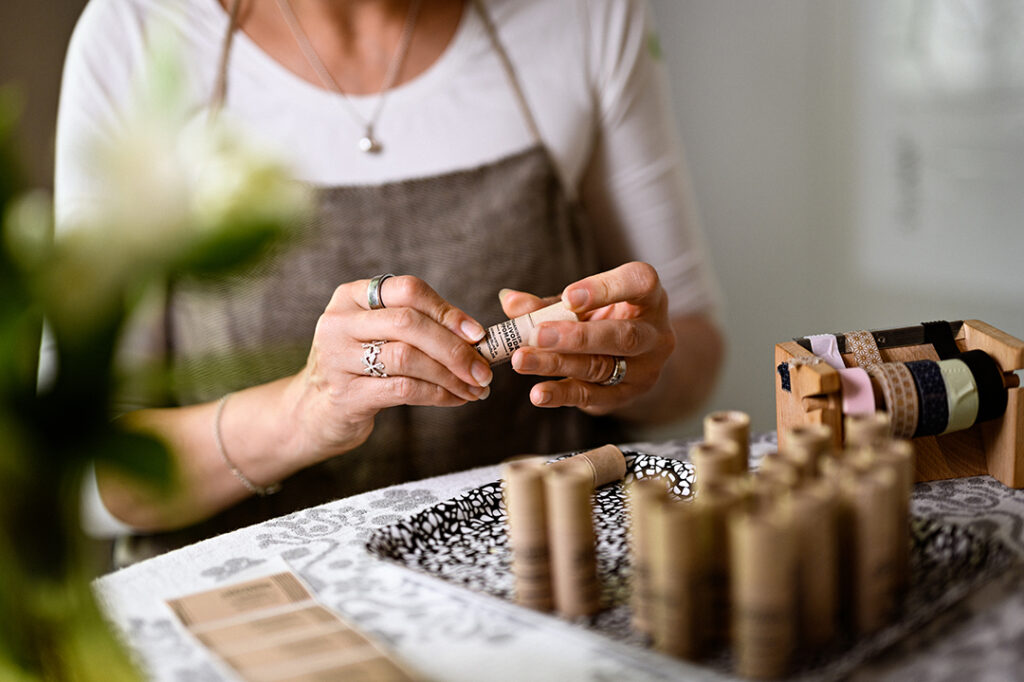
368 144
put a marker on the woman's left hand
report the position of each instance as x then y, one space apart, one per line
624 314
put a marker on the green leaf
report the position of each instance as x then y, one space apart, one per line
140 456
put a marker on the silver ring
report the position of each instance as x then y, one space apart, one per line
371 359
618 372
373 291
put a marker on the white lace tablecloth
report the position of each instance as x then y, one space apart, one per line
448 633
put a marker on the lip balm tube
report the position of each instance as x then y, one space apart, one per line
870 498
732 426
898 456
716 503
528 531
605 464
567 493
644 497
805 445
817 558
863 430
502 339
716 461
763 589
677 573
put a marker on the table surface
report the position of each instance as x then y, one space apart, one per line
448 633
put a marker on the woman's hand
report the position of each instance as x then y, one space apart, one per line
428 359
625 313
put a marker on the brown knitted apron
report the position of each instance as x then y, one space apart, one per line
466 233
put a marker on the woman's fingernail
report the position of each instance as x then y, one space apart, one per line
482 373
577 298
524 362
478 391
540 396
486 394
472 331
502 294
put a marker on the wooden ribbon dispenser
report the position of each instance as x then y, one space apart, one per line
808 390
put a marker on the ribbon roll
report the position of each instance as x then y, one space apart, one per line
940 336
961 394
988 377
900 395
826 347
865 351
933 412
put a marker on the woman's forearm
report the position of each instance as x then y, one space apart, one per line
258 433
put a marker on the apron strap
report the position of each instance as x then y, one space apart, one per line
220 85
510 71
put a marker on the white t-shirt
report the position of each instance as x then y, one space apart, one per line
589 69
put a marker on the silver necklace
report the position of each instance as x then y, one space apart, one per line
368 142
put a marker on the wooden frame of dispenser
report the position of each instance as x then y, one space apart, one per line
995 447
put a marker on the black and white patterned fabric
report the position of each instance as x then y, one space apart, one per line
464 541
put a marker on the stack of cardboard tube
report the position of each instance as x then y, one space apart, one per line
813 546
551 528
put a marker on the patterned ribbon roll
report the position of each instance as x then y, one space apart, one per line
900 396
933 414
940 336
961 394
858 395
989 379
865 351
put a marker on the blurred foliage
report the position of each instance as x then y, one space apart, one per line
210 205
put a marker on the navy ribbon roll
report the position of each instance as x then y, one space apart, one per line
933 415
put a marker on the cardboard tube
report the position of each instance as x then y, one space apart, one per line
567 494
506 337
781 473
528 531
605 464
814 509
805 445
870 498
863 430
716 502
677 574
763 586
732 426
713 462
643 496
898 455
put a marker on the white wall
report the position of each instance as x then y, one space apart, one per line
803 155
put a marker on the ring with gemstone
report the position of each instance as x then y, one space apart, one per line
618 372
372 364
373 291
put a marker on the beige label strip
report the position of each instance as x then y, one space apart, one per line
272 629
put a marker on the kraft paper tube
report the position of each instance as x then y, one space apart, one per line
605 464
504 338
528 531
644 496
716 502
776 474
815 519
870 499
677 574
730 426
898 455
806 444
713 462
567 495
863 430
762 545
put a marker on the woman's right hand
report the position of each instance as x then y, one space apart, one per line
428 358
